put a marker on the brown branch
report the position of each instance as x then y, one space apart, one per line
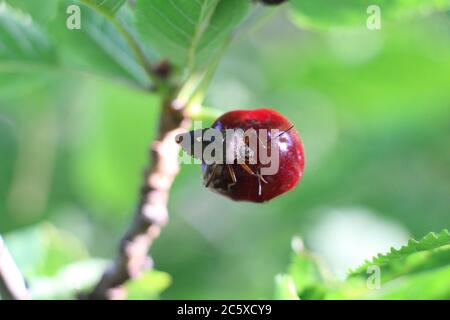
151 214
12 283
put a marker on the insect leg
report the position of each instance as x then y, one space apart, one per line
259 185
212 175
247 169
258 175
261 176
250 171
232 175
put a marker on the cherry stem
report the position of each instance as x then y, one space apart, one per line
151 213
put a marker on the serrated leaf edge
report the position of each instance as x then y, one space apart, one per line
413 246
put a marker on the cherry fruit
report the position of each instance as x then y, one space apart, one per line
245 186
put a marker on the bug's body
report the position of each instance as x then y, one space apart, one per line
263 163
232 147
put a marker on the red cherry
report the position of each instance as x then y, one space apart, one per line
291 158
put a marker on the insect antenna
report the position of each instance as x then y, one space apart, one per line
287 130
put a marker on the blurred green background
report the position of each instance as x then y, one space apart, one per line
373 111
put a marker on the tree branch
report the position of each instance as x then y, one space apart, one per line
12 283
151 214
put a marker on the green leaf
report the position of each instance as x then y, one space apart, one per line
310 279
308 273
97 47
28 59
285 288
308 276
429 285
149 286
188 32
41 11
43 250
431 251
69 281
18 88
418 270
109 6
421 275
329 13
106 169
22 43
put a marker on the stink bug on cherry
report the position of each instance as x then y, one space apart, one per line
223 151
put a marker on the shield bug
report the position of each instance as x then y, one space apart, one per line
232 154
